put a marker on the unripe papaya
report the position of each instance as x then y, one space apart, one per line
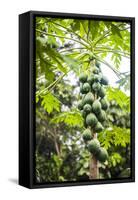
101 116
96 86
101 92
94 146
96 106
98 128
83 77
91 120
89 98
84 114
80 105
87 135
86 88
87 108
97 78
91 79
104 104
102 155
104 80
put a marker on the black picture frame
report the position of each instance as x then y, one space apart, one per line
27 98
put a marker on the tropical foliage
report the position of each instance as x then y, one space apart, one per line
64 49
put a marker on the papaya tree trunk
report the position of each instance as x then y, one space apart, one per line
94 167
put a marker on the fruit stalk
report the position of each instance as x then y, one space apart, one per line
94 167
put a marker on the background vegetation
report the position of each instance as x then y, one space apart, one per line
64 49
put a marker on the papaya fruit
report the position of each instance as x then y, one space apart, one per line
80 105
90 79
96 106
91 120
84 114
96 86
94 146
102 155
87 108
87 135
104 80
101 92
101 116
86 88
104 104
98 128
97 78
89 98
83 77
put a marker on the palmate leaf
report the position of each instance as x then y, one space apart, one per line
115 30
71 118
94 27
43 48
120 97
115 159
50 103
114 136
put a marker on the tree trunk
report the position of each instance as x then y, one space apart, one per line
94 168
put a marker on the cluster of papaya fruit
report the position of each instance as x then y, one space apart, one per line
93 106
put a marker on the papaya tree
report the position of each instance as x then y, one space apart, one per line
78 112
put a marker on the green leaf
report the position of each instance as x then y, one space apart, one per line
120 97
114 136
50 103
115 30
94 27
71 118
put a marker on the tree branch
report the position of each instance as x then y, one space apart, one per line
53 35
118 74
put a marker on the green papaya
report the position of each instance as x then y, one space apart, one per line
101 116
89 98
86 88
98 128
91 79
96 86
104 80
104 104
102 155
96 106
94 146
97 78
91 120
87 108
80 105
83 113
87 135
101 92
83 77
